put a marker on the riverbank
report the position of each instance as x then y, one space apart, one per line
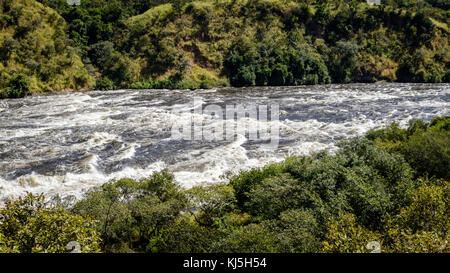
206 44
389 188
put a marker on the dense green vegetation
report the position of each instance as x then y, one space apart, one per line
36 54
30 225
391 186
47 45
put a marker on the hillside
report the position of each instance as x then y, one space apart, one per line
272 42
202 44
35 51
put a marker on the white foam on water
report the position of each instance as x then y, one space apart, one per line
128 153
70 183
100 138
308 148
209 166
83 124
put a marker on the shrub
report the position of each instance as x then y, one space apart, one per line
246 180
307 66
29 224
131 213
341 62
18 87
210 203
104 84
185 235
345 235
274 195
252 238
423 225
423 145
298 230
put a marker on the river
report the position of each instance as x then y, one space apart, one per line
67 143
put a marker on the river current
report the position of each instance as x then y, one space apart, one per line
67 143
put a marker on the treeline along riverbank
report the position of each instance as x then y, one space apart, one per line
48 46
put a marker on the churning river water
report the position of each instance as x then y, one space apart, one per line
65 144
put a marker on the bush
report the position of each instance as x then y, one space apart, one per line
185 235
298 231
36 52
345 235
274 195
131 213
423 145
210 203
245 181
252 238
29 224
420 227
18 87
421 66
307 66
429 153
251 63
341 61
104 84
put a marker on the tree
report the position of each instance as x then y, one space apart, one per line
341 62
208 204
19 86
345 235
298 232
131 213
423 145
424 225
274 195
28 224
252 238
